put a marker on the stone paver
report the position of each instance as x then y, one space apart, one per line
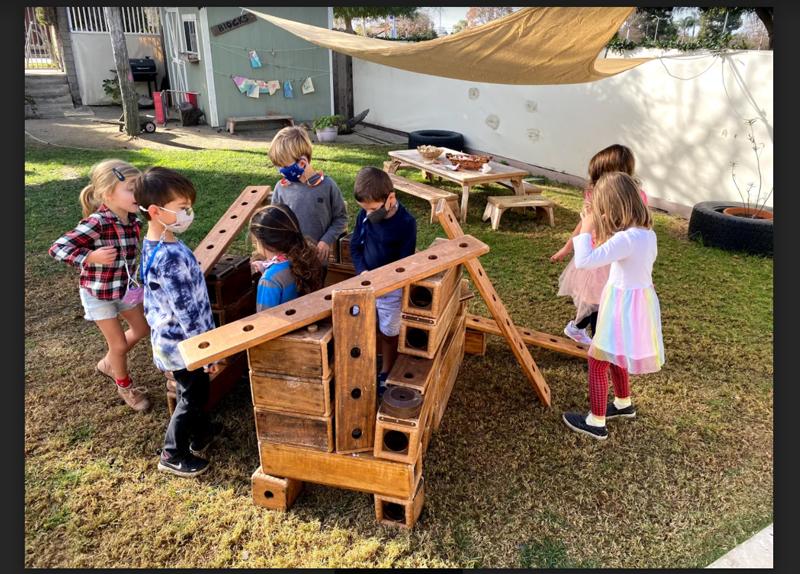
753 553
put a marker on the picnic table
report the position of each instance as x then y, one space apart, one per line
467 178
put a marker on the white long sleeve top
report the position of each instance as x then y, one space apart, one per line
631 254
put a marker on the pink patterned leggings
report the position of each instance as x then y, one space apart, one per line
598 384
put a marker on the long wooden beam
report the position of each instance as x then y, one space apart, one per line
245 333
216 243
535 338
450 224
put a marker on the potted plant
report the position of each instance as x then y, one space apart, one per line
735 226
327 127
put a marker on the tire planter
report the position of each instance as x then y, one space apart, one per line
438 138
716 229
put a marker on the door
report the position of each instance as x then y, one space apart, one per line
177 67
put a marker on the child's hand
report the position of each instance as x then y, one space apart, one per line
587 223
563 252
324 250
212 369
257 266
102 255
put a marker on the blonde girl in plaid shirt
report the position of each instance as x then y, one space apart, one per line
103 247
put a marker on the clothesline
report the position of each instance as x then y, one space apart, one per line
268 64
271 50
231 76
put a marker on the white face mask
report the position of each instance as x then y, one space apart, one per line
183 221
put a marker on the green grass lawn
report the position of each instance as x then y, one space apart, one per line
507 484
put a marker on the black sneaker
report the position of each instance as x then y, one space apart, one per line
577 422
199 447
187 466
612 412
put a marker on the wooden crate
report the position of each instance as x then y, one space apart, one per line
422 336
453 355
221 382
399 512
400 439
245 306
301 353
273 492
338 272
429 297
475 343
292 394
412 371
354 320
229 280
335 253
360 471
305 431
344 249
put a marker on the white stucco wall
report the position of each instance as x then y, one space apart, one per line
94 61
684 133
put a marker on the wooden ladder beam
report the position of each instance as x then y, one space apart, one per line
245 333
535 338
450 224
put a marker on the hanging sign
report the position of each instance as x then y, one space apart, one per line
238 22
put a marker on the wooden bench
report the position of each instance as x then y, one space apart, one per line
431 194
530 188
427 175
231 122
496 205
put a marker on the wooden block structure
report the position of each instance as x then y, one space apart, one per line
221 384
422 336
400 512
273 492
344 249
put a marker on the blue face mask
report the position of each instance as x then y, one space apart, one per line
293 172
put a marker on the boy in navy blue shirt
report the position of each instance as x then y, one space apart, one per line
385 232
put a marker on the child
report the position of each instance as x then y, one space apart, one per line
292 267
314 197
385 232
177 307
584 286
103 248
628 337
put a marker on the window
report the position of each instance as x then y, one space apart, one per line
190 34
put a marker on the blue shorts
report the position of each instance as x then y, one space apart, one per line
388 307
100 309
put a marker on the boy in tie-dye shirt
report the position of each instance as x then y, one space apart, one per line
177 308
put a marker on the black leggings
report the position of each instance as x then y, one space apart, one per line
590 319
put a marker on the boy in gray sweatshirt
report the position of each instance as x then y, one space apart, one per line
313 196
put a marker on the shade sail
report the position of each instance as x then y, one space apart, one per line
533 46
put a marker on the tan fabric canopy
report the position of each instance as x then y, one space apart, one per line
533 46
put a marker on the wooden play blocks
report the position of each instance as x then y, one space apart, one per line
243 307
400 439
429 297
228 281
295 429
398 512
274 493
301 353
292 394
422 336
475 343
344 250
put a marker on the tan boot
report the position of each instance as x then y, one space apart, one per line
134 398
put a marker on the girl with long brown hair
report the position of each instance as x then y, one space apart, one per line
584 286
628 338
292 267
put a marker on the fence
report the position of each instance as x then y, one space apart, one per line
40 51
135 20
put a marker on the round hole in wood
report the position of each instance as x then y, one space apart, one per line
433 257
408 375
508 322
463 245
355 393
581 347
366 283
395 441
354 310
528 333
204 345
328 297
229 259
290 311
247 328
234 216
244 203
420 297
394 512
400 270
356 433
450 217
480 272
494 298
551 340
477 320
254 191
355 352
210 247
268 494
417 338
222 231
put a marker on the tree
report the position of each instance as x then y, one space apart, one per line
130 105
660 19
460 25
478 16
764 14
718 23
687 23
755 32
347 14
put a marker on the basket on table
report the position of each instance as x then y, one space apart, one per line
467 161
429 152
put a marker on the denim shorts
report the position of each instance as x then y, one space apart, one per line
99 309
388 307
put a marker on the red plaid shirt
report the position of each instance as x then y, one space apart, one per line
107 282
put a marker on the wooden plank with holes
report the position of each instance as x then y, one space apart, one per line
267 325
354 319
360 471
305 431
411 371
216 243
450 224
535 338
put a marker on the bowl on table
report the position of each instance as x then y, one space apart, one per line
429 152
467 161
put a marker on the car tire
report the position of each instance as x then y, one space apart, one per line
716 229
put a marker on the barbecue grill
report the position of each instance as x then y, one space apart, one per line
143 70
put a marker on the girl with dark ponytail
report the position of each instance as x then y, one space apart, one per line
291 267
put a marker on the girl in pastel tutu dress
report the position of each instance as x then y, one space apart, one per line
628 337
585 285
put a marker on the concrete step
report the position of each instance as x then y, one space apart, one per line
52 100
60 107
48 91
34 80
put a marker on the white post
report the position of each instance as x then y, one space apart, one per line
725 25
656 36
212 89
394 27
